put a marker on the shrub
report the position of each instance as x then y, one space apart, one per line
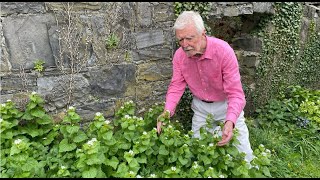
32 145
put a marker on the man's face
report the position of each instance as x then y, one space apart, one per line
190 40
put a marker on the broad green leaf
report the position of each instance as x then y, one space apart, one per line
44 120
95 159
14 150
72 129
142 159
182 160
108 135
163 151
81 136
266 171
91 173
113 162
37 113
50 137
64 146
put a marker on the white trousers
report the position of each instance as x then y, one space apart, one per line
218 110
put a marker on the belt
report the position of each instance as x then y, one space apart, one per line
207 101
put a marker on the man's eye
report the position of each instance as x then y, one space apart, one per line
189 39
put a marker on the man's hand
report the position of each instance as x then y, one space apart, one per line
227 133
159 122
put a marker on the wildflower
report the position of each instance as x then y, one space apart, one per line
150 109
107 121
63 167
155 129
202 145
144 133
229 157
268 151
138 176
210 168
169 126
9 100
152 175
90 143
33 93
215 136
131 101
261 145
44 138
131 152
127 116
98 114
131 172
185 145
3 105
173 168
264 154
17 141
71 108
1 120
140 118
211 144
122 107
221 176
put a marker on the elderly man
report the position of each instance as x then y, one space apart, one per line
209 67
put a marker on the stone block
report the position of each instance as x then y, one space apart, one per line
149 38
27 40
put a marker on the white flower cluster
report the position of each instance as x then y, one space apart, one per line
98 114
1 120
221 176
126 116
90 143
17 141
131 152
3 105
71 108
145 133
63 167
33 93
173 168
195 166
107 121
152 175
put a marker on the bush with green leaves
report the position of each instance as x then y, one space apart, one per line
33 145
288 126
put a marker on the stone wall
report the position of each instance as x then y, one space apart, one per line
98 77
138 68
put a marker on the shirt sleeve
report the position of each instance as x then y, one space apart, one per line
176 86
232 85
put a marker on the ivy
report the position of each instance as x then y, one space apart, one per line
280 51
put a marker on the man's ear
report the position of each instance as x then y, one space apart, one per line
204 32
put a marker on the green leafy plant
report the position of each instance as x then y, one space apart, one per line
38 65
36 146
112 41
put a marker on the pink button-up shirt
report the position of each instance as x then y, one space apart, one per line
214 76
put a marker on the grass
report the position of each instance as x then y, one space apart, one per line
294 154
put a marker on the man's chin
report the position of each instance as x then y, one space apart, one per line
189 53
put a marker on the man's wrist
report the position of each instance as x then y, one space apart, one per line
229 121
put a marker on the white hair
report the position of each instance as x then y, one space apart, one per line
189 17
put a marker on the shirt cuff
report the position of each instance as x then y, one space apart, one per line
232 117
